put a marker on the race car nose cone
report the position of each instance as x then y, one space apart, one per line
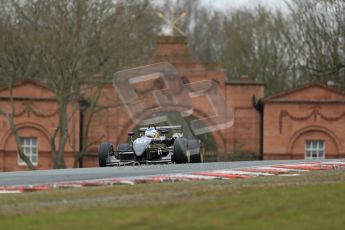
140 144
139 149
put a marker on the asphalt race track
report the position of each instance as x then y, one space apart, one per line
67 175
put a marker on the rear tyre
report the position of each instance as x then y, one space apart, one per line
196 151
180 151
104 150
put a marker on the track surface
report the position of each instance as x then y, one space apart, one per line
66 175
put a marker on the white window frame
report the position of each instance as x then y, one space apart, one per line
317 147
29 145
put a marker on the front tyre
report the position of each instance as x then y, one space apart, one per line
104 150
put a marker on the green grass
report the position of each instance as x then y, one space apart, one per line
310 201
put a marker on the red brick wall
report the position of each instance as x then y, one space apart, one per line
292 119
244 136
35 116
113 123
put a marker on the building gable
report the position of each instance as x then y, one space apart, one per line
28 89
309 92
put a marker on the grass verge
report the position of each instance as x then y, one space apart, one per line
310 201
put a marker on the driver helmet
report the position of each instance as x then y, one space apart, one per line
151 132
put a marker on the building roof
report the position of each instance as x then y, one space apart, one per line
28 89
27 81
310 92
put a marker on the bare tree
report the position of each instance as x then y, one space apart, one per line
15 63
72 41
282 49
318 39
254 45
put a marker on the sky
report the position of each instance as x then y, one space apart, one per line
224 5
229 4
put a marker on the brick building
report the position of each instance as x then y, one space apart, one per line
305 122
36 117
241 136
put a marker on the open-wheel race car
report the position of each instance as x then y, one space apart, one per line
155 145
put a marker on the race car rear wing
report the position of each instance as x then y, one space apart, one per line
160 128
